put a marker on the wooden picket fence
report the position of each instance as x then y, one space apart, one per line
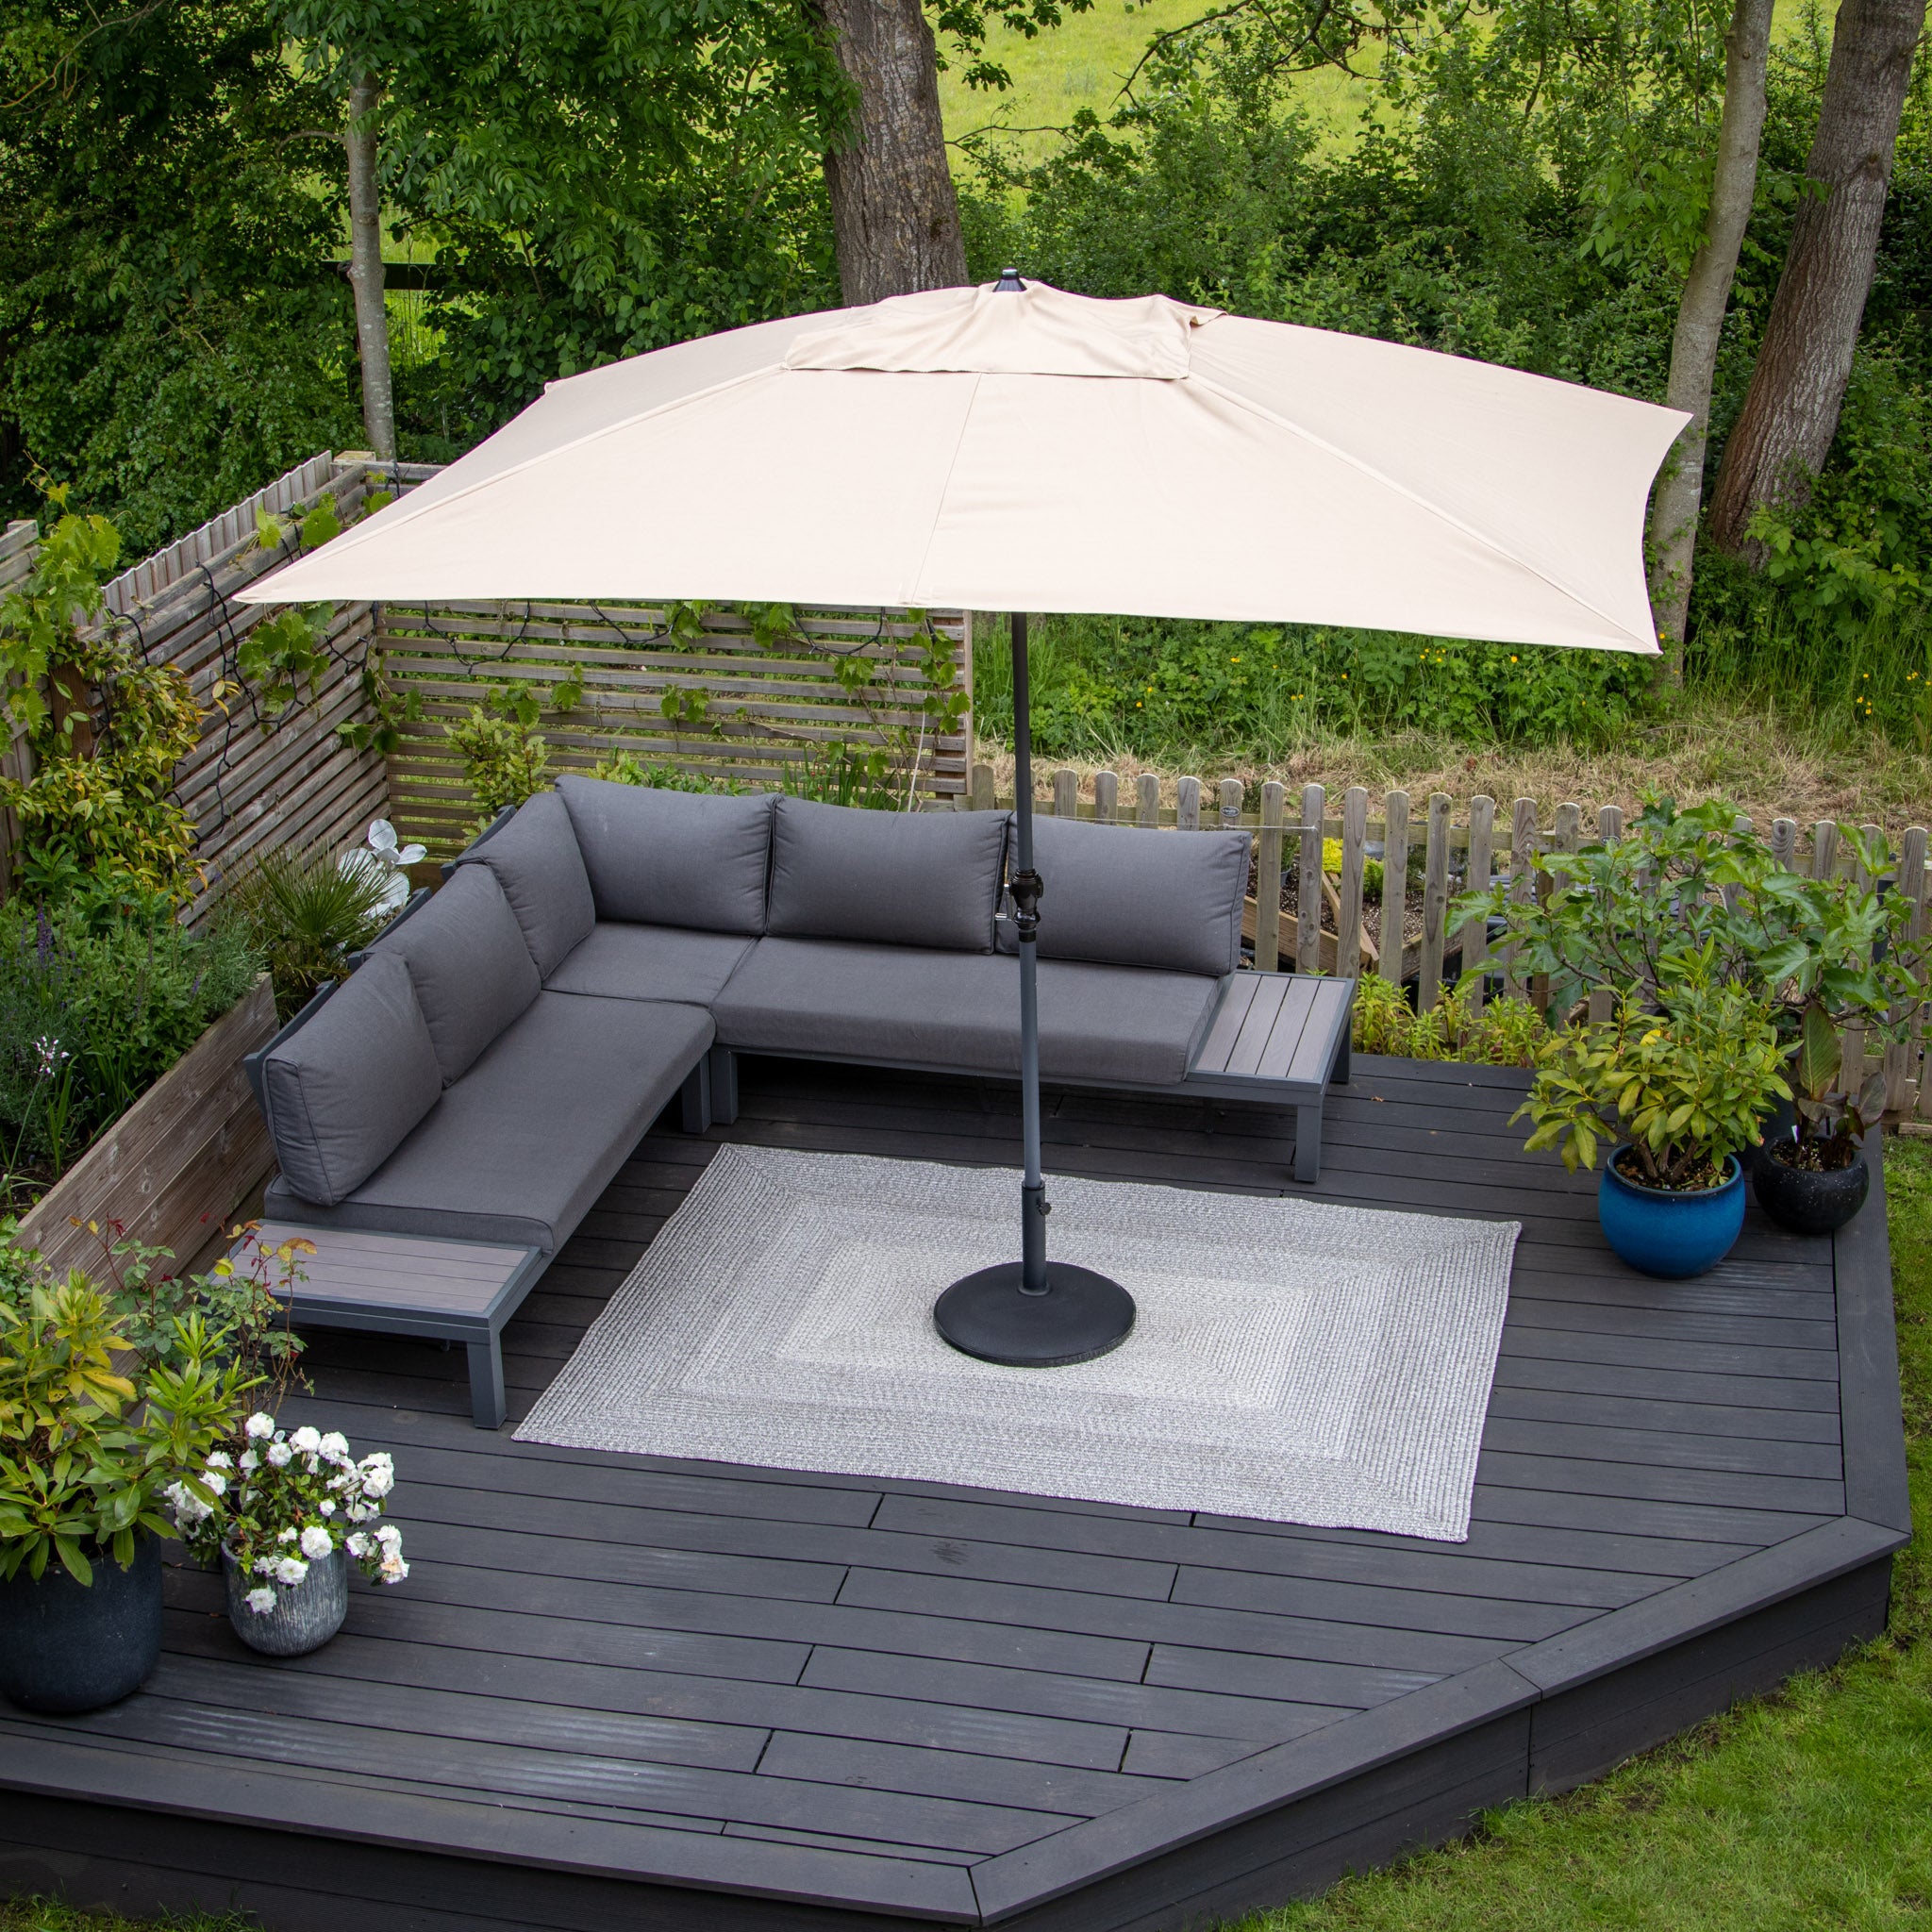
1430 854
738 709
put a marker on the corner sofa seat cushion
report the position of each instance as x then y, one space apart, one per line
688 858
893 878
961 1010
1124 896
521 1147
469 964
345 1088
535 858
619 960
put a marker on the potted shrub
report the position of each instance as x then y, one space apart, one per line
1678 1093
285 1513
87 1453
1813 1178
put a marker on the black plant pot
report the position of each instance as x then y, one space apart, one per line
66 1646
1780 1123
1805 1202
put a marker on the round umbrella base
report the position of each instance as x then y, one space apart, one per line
1081 1317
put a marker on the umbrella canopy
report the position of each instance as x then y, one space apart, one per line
1034 450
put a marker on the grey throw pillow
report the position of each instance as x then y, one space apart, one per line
688 858
1124 896
345 1089
468 963
536 861
903 879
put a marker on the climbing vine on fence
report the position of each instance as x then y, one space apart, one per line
99 816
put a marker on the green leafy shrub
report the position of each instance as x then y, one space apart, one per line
504 761
92 1015
304 914
89 1453
1681 893
1686 1088
1500 1032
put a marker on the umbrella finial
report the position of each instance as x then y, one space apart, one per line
1009 283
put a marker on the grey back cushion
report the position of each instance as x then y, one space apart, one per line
672 857
468 963
344 1090
901 878
1129 897
535 860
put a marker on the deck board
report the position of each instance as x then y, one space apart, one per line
881 1702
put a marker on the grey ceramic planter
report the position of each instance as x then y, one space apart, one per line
66 1646
306 1615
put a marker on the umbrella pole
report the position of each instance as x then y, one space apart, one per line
1024 1314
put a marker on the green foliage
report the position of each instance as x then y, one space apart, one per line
174 333
284 653
1169 692
1830 1123
622 767
40 618
1526 188
386 710
858 774
504 760
98 815
595 177
93 1014
1497 1033
1372 868
1685 1087
86 1451
1682 893
304 914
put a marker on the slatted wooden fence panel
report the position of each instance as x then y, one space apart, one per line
252 782
1458 848
768 709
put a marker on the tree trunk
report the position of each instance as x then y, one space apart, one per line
895 218
1700 324
1790 409
365 269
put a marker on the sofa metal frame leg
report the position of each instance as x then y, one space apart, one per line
695 1097
486 1406
723 1062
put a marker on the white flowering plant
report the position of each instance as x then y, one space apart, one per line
278 1500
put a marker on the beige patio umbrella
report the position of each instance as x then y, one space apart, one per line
1018 448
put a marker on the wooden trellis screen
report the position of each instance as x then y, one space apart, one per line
252 782
1430 852
748 711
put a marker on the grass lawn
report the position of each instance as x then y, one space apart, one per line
1083 63
1808 1810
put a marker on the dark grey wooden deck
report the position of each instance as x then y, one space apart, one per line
620 1691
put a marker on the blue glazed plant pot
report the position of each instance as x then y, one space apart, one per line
1669 1234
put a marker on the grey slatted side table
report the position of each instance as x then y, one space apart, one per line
401 1284
1280 1036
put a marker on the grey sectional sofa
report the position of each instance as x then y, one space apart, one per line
499 1051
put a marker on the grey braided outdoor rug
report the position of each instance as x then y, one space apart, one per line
1293 1360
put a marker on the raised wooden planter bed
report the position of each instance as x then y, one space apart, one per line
178 1162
